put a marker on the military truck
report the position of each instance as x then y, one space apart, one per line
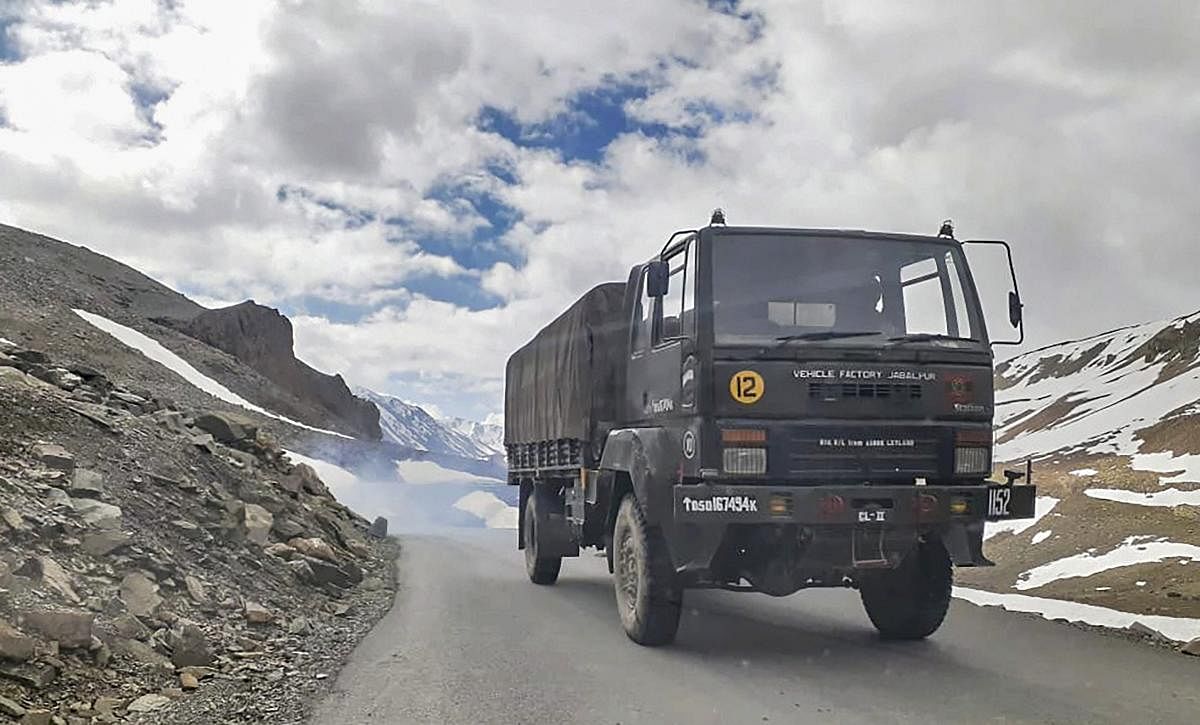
767 410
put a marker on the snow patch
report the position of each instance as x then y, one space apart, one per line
1168 498
1186 466
1042 506
1084 472
1180 629
338 479
422 473
6 341
495 513
1134 550
1041 536
155 351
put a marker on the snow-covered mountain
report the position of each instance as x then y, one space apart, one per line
1131 392
486 434
1112 423
411 425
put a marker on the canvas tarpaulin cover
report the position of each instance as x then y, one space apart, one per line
565 380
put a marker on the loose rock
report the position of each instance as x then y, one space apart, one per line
87 483
314 547
70 628
149 703
256 613
378 528
54 456
1192 648
13 644
97 513
226 427
256 523
140 594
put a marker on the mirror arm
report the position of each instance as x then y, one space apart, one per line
1012 271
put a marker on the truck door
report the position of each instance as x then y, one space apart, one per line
663 331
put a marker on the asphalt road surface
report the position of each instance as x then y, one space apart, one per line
470 640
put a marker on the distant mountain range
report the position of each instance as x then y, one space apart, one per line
411 425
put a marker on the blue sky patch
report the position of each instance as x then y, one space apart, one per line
591 121
8 50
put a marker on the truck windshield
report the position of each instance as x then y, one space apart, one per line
784 288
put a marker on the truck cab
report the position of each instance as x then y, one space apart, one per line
794 408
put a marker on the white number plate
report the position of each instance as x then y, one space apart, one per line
998 500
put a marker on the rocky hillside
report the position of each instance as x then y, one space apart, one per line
162 562
412 426
262 338
42 280
1112 422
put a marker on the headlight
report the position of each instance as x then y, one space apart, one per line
745 461
972 460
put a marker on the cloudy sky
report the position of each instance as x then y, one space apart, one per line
421 186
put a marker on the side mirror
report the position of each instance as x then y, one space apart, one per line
1014 309
658 278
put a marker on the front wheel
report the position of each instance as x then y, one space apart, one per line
649 597
911 601
541 569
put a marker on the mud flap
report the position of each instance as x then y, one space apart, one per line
964 543
552 530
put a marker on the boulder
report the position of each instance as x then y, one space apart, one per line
97 513
188 681
38 717
256 523
281 550
130 627
71 629
13 644
189 647
149 703
62 378
343 576
288 528
58 579
52 455
378 528
87 483
11 708
103 543
256 613
34 675
303 477
1191 648
12 519
140 594
314 547
195 589
226 427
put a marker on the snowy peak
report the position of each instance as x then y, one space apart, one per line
1129 391
411 425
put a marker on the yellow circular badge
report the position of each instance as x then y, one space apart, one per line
746 387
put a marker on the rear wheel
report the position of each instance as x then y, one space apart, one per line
541 569
649 597
910 602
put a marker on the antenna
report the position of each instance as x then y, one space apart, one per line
718 217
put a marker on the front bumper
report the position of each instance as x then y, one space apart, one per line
852 505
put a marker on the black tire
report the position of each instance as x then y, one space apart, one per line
911 601
649 598
541 569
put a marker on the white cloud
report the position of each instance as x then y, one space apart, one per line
1068 129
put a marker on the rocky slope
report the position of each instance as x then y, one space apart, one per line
42 280
163 562
411 425
1112 422
262 338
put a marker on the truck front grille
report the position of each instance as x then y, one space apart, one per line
864 391
870 454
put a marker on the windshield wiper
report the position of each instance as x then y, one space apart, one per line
824 335
927 336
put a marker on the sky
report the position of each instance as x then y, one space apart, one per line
421 186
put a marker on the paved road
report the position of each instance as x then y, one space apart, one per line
470 640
